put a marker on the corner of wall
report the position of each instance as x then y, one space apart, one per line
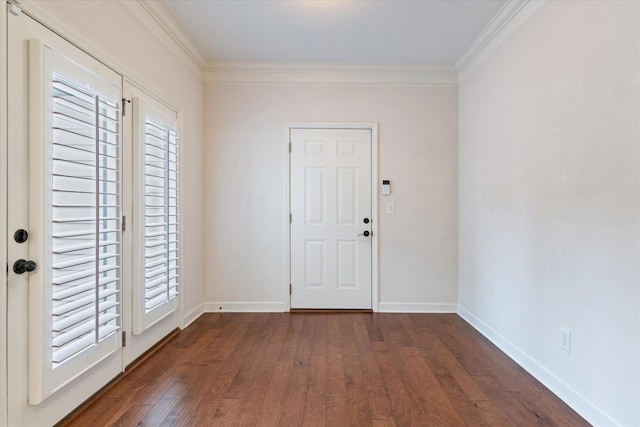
513 16
567 394
192 316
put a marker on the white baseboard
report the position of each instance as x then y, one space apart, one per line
410 307
191 316
571 397
246 307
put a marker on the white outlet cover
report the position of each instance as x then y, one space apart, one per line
565 340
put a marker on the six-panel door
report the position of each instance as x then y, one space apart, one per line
331 213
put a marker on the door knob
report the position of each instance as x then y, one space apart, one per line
366 220
365 233
21 235
22 265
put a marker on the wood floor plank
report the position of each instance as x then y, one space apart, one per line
320 336
337 412
357 402
379 404
315 399
337 369
133 416
294 398
348 344
403 405
269 414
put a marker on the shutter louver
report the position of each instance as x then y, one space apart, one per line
85 213
157 242
161 214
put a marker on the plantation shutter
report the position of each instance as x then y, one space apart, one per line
75 114
85 217
155 214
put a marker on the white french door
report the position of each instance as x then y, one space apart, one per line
150 126
65 274
85 151
331 218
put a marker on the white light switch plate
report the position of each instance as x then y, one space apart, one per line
391 208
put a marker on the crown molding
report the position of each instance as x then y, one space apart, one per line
35 11
169 25
329 74
513 16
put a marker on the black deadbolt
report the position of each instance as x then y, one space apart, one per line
366 220
20 235
22 265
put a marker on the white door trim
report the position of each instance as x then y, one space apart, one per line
373 127
3 218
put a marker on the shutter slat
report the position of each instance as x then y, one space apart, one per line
153 283
85 240
150 304
68 321
69 306
75 332
157 262
107 330
154 272
81 260
62 292
75 347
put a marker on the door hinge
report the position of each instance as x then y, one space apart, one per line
290 289
290 218
290 147
124 222
124 338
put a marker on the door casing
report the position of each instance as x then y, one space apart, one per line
3 218
373 127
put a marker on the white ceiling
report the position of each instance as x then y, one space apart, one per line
365 31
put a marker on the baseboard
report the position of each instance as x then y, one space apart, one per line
567 394
410 307
244 307
191 316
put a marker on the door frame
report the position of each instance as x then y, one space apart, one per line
3 217
373 127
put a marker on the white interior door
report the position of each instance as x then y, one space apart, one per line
64 190
331 240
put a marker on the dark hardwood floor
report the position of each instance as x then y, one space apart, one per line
307 369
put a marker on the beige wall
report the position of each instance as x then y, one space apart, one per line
245 187
549 209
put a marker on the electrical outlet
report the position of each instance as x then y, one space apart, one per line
565 340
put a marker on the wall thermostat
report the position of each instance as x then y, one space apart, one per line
386 187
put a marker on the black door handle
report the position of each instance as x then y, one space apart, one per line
365 233
21 235
22 266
